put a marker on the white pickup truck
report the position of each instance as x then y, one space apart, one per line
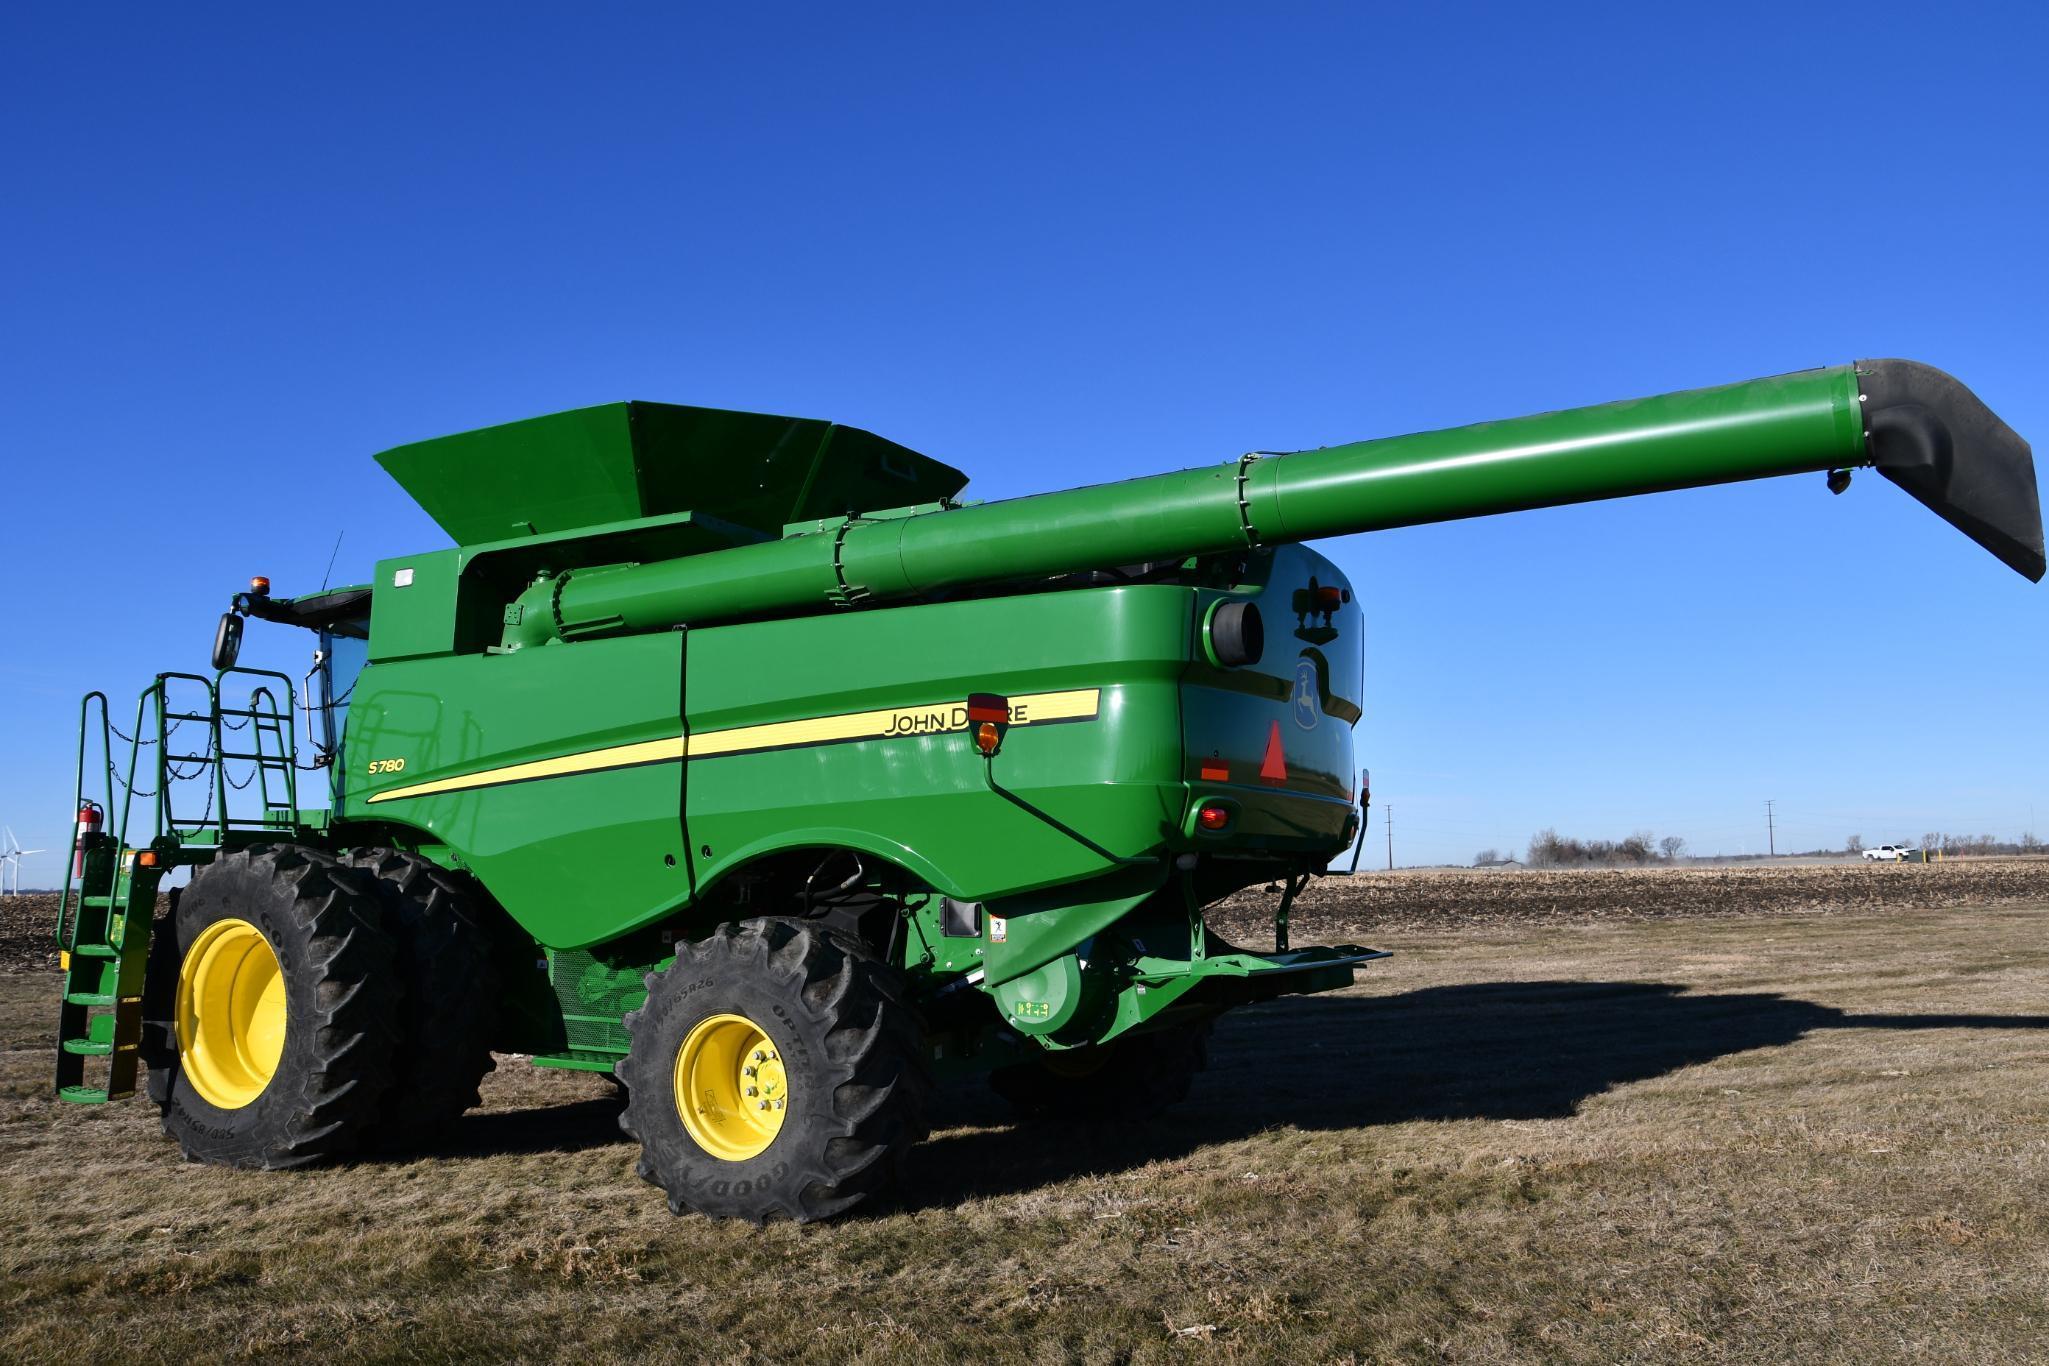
1890 853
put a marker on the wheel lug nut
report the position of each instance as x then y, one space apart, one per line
748 1071
778 1105
753 1091
760 1056
762 1106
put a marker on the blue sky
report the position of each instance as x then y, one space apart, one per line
246 248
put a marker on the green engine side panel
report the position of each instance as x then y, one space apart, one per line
568 853
556 773
922 799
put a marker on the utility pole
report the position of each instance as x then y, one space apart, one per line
1388 816
1771 833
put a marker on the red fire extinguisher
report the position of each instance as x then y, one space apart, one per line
90 820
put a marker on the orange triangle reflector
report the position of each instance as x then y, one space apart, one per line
1274 767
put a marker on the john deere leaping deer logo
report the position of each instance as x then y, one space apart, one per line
1303 702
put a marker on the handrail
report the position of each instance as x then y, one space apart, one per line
283 725
256 729
67 918
268 714
167 814
135 757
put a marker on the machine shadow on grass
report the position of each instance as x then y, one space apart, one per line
1491 1050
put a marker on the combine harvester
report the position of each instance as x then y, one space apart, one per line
677 768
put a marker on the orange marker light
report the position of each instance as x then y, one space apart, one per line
146 859
260 586
988 713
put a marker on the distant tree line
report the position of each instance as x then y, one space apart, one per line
1974 844
1549 849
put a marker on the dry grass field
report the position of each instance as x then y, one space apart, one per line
1597 1127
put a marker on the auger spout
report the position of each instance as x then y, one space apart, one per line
1922 429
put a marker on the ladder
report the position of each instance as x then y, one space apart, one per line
105 959
103 932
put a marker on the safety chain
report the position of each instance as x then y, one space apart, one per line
206 812
132 740
114 776
202 762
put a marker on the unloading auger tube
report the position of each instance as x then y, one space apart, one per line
1918 426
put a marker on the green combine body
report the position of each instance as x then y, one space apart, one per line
730 755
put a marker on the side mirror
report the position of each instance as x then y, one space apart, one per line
227 641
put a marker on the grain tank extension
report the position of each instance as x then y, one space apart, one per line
734 756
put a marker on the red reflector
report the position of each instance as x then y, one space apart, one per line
984 706
1216 773
1212 817
1329 599
1274 767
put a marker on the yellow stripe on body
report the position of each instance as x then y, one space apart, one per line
1079 704
590 761
937 719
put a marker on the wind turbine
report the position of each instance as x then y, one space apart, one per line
11 854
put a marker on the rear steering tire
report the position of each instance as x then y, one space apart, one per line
281 1013
774 1070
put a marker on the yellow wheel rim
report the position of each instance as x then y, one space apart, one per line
231 1013
731 1090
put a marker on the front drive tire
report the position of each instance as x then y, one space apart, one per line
282 1011
773 1071
449 1001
